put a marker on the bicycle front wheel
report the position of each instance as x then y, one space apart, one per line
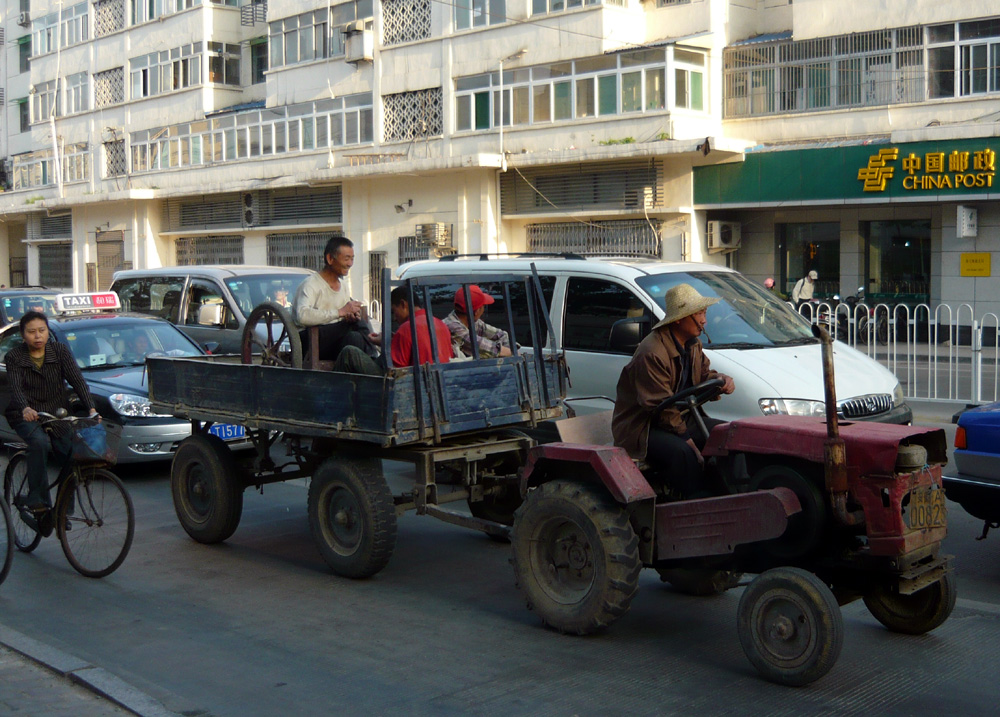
6 541
95 521
15 483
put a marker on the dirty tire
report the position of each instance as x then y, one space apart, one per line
352 516
805 529
15 483
278 327
700 582
576 557
917 613
790 626
207 488
102 520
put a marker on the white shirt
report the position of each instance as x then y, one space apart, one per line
317 304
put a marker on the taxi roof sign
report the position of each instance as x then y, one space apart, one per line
100 301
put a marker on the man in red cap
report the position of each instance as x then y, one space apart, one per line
402 340
492 342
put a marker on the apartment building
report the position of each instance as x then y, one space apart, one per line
153 132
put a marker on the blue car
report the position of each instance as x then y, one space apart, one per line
976 487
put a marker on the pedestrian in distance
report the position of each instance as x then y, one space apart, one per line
802 293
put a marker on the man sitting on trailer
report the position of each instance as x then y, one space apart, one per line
354 360
324 300
667 361
490 341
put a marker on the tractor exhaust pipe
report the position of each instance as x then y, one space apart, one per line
834 453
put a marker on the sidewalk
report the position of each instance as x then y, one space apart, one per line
40 681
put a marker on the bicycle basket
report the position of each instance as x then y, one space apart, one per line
95 442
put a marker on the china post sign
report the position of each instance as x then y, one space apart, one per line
929 170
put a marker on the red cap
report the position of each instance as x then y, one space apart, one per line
479 298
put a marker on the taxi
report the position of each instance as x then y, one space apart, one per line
111 347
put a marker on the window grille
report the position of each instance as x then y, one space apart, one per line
57 226
632 186
628 237
410 249
110 256
55 265
301 250
255 209
109 17
410 115
109 87
405 21
18 271
377 261
221 249
115 164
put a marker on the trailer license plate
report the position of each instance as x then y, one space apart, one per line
227 431
927 509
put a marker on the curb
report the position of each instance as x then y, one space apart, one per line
95 679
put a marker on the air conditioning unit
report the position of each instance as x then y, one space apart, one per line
722 236
359 45
24 19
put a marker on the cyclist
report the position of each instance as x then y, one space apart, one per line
37 370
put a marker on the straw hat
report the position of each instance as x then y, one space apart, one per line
683 300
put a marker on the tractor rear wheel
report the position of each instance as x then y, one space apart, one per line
790 626
576 557
917 613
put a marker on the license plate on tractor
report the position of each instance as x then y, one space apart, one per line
927 509
228 431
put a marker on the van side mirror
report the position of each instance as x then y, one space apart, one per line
211 346
627 333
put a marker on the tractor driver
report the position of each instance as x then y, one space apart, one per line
667 361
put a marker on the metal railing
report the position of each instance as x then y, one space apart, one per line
938 353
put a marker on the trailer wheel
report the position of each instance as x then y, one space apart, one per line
206 487
917 613
790 626
271 338
700 582
576 557
352 516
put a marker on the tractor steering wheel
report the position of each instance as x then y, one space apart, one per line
692 398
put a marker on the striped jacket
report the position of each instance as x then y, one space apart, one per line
45 389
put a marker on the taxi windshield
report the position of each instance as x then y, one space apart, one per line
101 346
748 316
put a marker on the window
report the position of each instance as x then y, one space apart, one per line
258 60
344 13
223 63
55 264
146 10
519 308
595 306
805 247
47 30
207 307
689 79
897 261
541 7
46 101
24 53
477 13
605 85
24 114
77 93
166 71
301 38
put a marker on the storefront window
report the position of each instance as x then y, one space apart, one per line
810 247
898 261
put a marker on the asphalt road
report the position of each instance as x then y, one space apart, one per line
259 626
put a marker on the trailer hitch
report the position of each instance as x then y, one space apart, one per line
834 452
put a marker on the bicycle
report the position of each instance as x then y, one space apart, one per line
92 513
6 540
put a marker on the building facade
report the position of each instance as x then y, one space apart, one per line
154 132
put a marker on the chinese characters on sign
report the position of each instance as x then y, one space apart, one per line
931 170
975 264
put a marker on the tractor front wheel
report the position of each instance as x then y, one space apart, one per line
790 626
576 557
917 613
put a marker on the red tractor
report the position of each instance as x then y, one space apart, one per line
824 512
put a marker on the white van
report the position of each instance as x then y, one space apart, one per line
602 308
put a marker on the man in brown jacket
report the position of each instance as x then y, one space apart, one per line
668 360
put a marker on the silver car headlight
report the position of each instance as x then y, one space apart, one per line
898 398
791 407
128 404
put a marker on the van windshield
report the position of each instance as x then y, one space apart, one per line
748 316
